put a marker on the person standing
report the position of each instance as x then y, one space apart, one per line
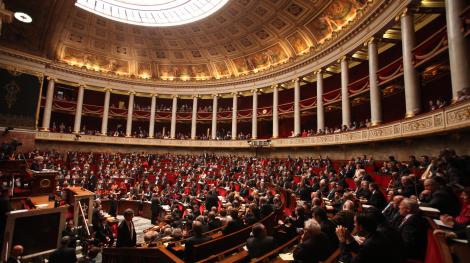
126 236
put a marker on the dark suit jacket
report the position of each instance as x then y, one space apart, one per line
445 201
414 236
63 255
211 201
189 244
232 226
257 247
313 250
378 200
373 250
124 236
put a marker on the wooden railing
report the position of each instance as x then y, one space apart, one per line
138 255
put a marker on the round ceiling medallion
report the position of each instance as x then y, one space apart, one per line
23 17
156 13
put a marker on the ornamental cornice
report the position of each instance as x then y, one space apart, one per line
343 42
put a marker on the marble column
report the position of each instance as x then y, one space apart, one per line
275 111
130 112
345 104
412 89
254 117
296 107
46 118
173 117
153 105
458 47
104 120
320 107
214 116
194 118
374 89
78 110
234 115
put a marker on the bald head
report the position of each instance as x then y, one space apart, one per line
17 251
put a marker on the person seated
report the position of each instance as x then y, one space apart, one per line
104 234
327 227
459 222
412 229
392 211
15 255
64 254
260 243
314 246
234 224
377 198
371 246
71 232
363 192
213 221
197 238
436 195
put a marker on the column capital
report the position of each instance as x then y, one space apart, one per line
254 91
195 96
403 13
108 89
234 94
131 92
296 79
318 71
51 78
153 94
275 86
174 96
215 95
344 58
370 41
81 85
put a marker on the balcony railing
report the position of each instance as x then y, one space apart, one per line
450 118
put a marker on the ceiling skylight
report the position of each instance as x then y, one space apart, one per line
157 13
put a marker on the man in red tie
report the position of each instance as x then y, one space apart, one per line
126 236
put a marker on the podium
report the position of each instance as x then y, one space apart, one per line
42 182
76 197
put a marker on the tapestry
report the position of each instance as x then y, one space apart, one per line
18 99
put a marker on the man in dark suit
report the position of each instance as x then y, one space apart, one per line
155 207
113 206
436 195
412 229
376 198
260 243
374 246
126 236
212 200
265 207
197 238
327 227
233 225
95 218
64 254
16 253
314 245
213 221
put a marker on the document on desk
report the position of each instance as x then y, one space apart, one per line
287 256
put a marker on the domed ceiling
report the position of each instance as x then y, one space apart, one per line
243 37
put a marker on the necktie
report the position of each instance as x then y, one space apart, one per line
131 230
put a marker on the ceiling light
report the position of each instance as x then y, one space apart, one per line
23 17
